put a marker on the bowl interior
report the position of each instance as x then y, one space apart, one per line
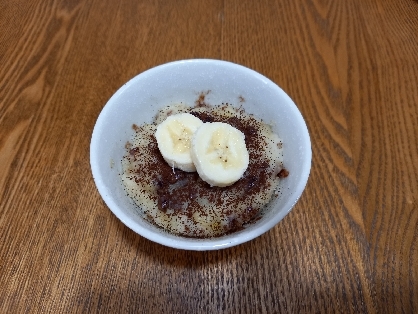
137 102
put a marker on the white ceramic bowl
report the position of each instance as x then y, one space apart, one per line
137 102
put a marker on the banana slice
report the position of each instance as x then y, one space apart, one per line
219 153
174 136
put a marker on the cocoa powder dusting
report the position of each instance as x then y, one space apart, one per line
175 188
177 191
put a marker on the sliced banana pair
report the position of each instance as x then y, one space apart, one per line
216 150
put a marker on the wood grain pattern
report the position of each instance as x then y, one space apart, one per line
350 245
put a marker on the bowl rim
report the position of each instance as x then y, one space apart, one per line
179 242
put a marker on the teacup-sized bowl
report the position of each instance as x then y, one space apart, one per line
138 101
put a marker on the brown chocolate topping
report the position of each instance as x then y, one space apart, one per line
177 190
283 173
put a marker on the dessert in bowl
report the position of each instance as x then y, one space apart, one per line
197 83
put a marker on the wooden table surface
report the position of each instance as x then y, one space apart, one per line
350 245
